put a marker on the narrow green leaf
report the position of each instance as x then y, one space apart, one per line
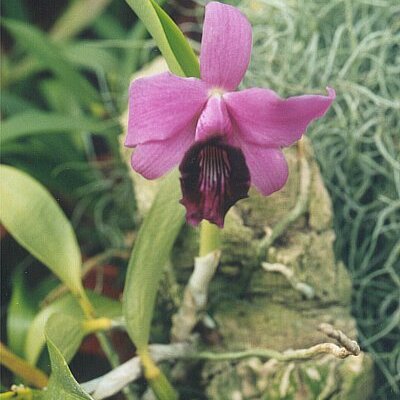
131 57
89 54
38 122
170 40
50 55
108 26
36 221
62 384
178 43
149 256
77 17
68 306
66 333
60 102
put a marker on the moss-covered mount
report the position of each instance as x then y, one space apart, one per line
254 308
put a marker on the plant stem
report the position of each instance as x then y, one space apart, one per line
113 359
85 304
210 239
108 349
21 368
156 379
18 393
105 342
97 325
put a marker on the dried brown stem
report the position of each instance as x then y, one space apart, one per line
301 287
350 345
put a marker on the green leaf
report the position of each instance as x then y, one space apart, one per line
60 102
37 122
178 43
20 314
108 26
149 256
170 40
62 384
50 55
66 333
87 54
79 15
36 221
68 306
12 103
166 216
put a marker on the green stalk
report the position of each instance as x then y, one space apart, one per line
210 238
105 343
156 378
21 368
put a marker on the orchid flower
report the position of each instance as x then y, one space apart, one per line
223 140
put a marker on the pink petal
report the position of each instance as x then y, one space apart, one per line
154 159
214 120
263 117
162 105
225 46
268 167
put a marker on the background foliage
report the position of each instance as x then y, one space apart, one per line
352 46
65 72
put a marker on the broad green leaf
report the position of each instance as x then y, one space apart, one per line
149 256
36 221
66 333
66 305
62 384
170 40
20 314
50 55
37 122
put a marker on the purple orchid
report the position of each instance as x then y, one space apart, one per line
222 139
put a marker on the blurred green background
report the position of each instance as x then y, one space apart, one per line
65 70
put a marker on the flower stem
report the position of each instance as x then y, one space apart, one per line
210 239
156 379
